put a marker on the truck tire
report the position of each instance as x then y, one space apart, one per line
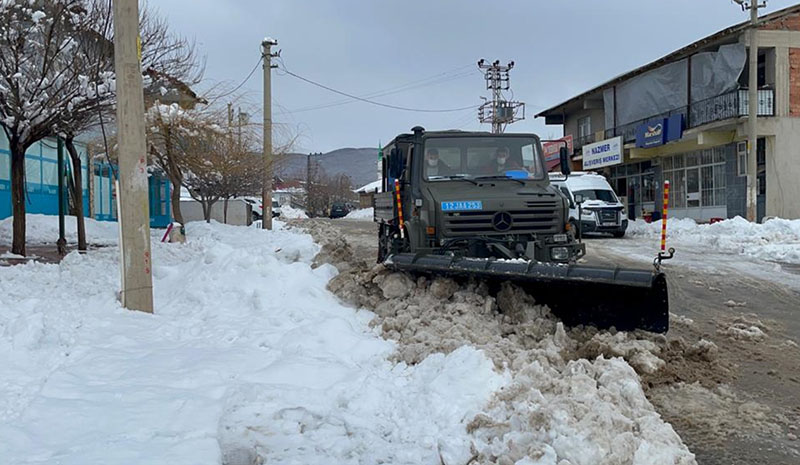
574 226
619 234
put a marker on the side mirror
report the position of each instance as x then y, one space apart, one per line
395 164
564 158
579 198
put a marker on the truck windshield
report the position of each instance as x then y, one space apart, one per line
474 157
598 194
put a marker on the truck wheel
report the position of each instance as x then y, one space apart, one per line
619 234
574 226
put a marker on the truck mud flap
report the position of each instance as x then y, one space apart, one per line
626 299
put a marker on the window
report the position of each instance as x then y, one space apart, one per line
5 166
598 194
741 159
518 157
584 127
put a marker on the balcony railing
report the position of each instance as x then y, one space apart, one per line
718 108
583 140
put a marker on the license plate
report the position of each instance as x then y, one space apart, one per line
462 205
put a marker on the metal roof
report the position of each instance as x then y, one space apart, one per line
678 54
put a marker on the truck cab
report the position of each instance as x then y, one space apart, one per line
472 194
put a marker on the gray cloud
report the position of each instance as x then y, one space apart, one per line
560 49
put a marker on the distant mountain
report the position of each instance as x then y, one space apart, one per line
357 163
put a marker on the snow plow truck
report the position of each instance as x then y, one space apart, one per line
480 206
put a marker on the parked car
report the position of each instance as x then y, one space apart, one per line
601 210
339 210
258 207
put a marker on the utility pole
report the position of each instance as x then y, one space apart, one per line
266 192
134 217
499 112
752 114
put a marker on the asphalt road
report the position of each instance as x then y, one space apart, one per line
753 414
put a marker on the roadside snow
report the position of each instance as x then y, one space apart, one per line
247 353
43 229
287 212
775 239
362 214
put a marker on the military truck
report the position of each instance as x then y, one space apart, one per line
476 205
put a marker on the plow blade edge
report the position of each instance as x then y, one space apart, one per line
626 299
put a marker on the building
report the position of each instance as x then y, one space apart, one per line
99 191
683 118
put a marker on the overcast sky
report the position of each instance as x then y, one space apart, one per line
560 48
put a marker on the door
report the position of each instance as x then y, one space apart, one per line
693 188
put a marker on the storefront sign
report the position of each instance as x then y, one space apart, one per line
659 131
674 127
603 153
652 133
551 148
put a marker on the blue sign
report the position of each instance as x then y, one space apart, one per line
462 205
674 127
651 134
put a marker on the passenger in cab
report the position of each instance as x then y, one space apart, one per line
500 162
434 166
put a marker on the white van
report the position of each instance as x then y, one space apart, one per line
601 210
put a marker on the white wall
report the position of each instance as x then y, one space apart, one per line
783 170
239 211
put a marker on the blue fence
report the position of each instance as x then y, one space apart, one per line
41 177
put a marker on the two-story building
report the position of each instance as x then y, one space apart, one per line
683 118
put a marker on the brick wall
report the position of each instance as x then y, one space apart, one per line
794 82
789 23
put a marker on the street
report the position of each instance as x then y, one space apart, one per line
732 399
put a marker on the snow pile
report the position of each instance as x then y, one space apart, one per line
43 229
362 214
775 239
560 405
744 328
247 355
287 212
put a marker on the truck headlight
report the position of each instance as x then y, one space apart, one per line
588 213
559 253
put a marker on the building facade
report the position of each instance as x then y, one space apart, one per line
683 118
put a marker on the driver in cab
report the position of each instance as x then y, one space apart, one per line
500 162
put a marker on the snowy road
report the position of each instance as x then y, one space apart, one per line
744 405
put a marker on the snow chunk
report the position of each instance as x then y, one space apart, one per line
361 214
37 16
292 213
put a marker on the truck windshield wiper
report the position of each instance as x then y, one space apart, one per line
501 177
459 177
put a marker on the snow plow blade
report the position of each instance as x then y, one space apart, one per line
578 294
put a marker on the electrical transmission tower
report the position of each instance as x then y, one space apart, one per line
499 111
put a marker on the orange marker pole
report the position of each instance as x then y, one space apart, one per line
399 206
664 218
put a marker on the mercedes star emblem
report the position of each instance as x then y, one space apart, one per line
502 221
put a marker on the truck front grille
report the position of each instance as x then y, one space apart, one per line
541 217
609 216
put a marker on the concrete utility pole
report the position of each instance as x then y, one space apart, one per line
499 112
752 115
266 193
134 217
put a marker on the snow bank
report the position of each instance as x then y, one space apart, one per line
247 354
775 239
362 214
563 405
287 212
43 229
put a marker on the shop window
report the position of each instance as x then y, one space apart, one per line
692 159
648 188
719 154
666 164
677 161
622 186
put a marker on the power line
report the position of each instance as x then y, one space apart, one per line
243 82
385 105
429 81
